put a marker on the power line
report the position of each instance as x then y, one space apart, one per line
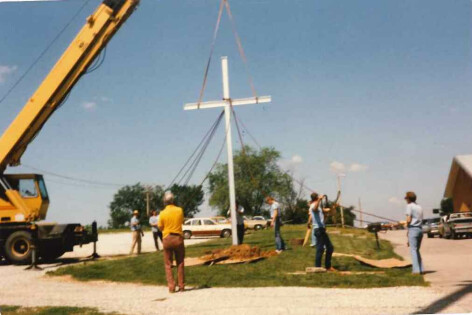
41 55
87 181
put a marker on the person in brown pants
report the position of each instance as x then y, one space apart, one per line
170 223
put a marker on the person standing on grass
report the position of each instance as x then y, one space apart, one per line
156 233
322 238
136 232
170 223
414 217
311 226
276 222
239 221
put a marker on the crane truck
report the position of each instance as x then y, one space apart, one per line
24 198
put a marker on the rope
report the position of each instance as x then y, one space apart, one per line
196 162
240 48
215 33
43 52
197 148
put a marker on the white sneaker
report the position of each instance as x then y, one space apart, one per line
278 251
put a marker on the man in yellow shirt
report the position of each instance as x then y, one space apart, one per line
170 223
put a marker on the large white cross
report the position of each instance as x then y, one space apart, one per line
226 103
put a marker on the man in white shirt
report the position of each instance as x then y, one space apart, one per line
276 222
414 218
155 230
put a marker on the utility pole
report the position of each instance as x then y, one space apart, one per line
148 206
340 203
360 210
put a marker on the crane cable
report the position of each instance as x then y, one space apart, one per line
224 4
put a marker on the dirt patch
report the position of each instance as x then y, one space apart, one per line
238 252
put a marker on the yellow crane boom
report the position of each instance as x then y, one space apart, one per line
86 46
23 197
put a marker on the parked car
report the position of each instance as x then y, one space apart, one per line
261 218
456 225
255 224
205 227
431 227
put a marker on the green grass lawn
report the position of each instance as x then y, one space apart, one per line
49 310
149 268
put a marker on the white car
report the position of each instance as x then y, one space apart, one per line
205 227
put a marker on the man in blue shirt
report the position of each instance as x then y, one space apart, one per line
322 238
136 232
414 218
276 222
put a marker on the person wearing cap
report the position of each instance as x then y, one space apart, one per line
276 222
414 218
136 232
170 223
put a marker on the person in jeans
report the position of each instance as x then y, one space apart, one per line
136 232
170 223
414 217
276 222
155 230
322 238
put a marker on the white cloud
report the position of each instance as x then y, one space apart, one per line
356 167
90 106
6 71
395 200
337 167
296 159
105 99
292 163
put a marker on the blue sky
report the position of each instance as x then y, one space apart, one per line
379 90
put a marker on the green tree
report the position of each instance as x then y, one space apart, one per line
129 198
257 175
296 214
188 197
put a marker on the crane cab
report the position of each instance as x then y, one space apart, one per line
23 197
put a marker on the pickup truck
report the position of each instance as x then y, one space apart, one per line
456 225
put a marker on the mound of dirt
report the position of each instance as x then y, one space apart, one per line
239 252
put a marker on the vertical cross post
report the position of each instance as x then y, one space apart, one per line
227 103
229 148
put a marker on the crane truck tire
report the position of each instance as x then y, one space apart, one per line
18 247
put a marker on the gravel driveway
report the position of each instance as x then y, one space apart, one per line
31 288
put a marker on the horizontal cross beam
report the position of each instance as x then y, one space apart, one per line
234 102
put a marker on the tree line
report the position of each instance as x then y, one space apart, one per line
257 174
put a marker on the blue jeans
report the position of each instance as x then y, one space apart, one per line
415 236
313 238
322 241
279 242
